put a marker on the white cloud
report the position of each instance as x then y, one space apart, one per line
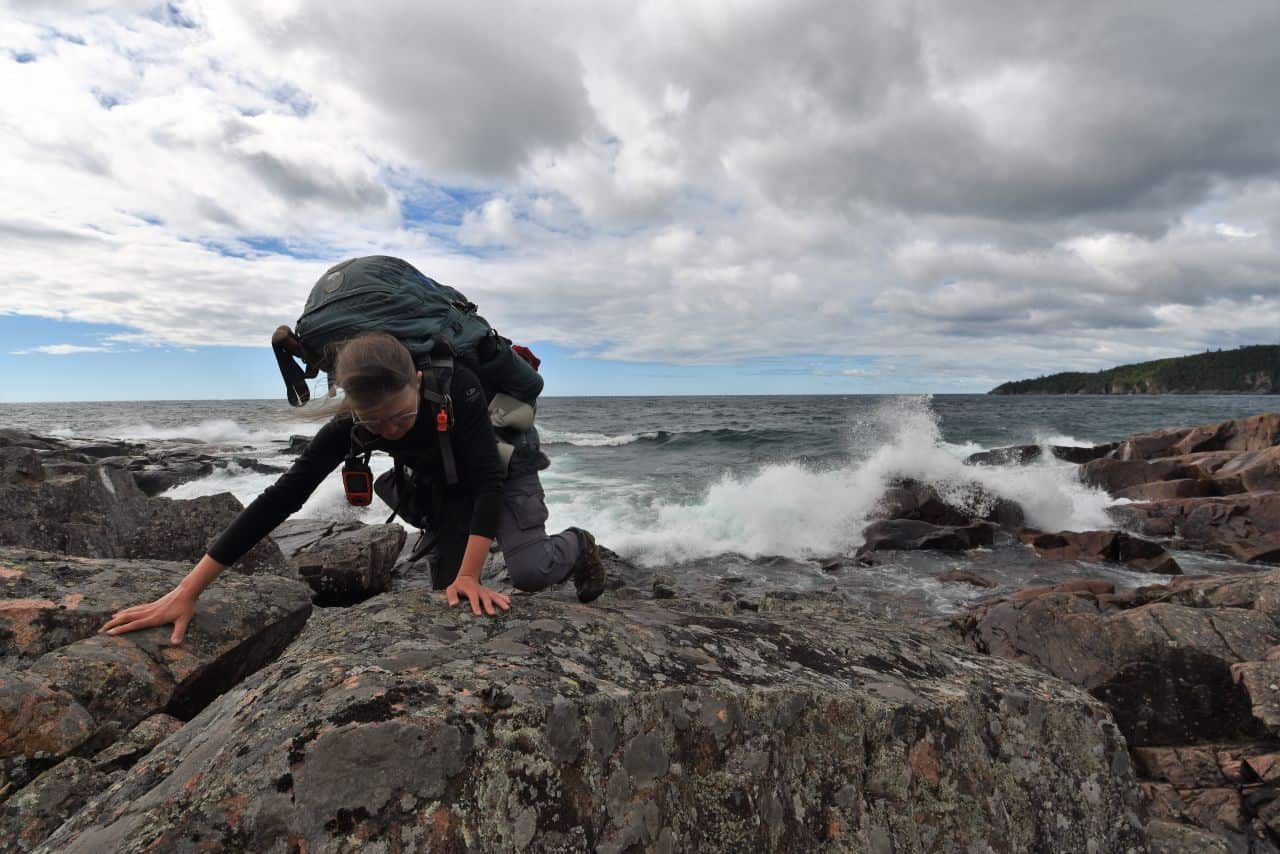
973 189
60 350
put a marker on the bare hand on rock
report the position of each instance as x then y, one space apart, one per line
176 607
478 595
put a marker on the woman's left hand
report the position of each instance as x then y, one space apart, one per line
478 594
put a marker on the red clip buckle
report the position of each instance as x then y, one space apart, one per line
442 421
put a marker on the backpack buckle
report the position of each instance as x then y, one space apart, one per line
444 415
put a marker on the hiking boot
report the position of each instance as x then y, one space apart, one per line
588 571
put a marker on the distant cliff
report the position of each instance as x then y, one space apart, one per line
1247 370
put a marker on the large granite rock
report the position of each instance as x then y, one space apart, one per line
344 562
1161 658
1255 433
40 807
1245 526
63 505
52 499
184 529
401 725
1097 546
1190 672
67 690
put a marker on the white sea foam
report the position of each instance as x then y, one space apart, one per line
551 436
218 431
796 511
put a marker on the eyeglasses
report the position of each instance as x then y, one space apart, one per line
400 419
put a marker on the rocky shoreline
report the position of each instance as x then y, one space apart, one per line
323 702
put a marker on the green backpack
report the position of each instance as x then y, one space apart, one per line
378 292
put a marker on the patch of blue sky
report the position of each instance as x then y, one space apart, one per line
171 15
426 204
149 219
268 245
105 99
299 102
54 34
258 245
22 57
124 370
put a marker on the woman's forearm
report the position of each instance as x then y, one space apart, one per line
201 576
473 558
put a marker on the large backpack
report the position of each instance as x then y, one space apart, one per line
378 292
437 323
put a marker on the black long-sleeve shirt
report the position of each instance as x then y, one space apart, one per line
474 450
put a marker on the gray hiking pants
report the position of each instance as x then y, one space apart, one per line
535 561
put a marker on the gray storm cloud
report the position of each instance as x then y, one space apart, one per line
1006 188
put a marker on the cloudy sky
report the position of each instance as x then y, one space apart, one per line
691 197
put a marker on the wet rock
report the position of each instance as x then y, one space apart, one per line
1026 454
1245 526
651 727
908 534
184 529
1165 489
67 690
20 466
297 444
962 505
1115 546
102 450
959 576
10 438
344 562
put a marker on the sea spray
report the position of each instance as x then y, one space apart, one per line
798 511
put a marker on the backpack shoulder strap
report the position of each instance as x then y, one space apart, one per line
437 376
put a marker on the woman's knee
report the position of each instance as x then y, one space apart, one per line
530 569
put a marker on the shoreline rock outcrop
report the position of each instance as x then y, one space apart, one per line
402 724
67 691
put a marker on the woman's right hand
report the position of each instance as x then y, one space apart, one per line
177 606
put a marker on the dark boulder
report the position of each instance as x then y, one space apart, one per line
183 530
61 505
1021 455
401 724
344 562
908 535
955 505
297 444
